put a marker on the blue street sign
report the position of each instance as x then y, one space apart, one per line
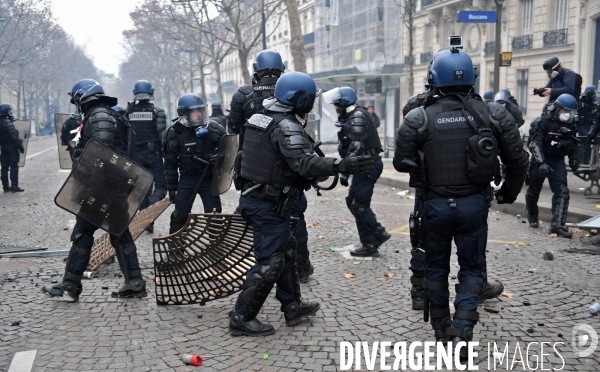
477 17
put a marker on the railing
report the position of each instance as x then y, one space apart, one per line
522 42
490 48
555 37
426 57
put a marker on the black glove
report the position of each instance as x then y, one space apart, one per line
362 164
502 197
592 139
172 195
574 164
545 170
20 147
344 180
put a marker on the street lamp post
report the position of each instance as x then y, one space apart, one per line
497 51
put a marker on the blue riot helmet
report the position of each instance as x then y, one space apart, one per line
507 91
88 90
192 108
268 59
118 109
298 91
5 109
591 92
501 97
451 68
488 96
342 96
567 102
143 90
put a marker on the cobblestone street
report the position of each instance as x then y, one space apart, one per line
103 333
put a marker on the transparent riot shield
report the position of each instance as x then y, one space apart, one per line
224 168
24 129
64 156
104 188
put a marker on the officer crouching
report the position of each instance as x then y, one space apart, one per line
278 164
454 142
190 146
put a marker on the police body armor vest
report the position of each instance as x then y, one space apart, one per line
263 89
556 146
189 145
445 147
4 138
372 141
142 118
261 162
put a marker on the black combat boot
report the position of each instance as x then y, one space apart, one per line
560 216
440 329
382 235
490 290
305 271
67 290
296 312
133 288
366 250
16 189
150 228
532 210
253 327
466 335
561 231
417 293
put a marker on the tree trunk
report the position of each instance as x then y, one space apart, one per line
243 55
297 38
411 62
202 75
219 87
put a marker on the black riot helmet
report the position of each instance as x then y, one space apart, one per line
87 90
5 109
552 67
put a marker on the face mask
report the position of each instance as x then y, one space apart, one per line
553 74
565 117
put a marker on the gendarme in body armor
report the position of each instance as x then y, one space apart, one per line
191 143
278 163
100 123
11 146
149 122
358 135
454 143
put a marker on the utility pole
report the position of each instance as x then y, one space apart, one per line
264 26
498 50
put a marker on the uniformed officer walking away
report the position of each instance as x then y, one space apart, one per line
100 124
587 110
417 262
358 136
247 101
149 122
191 143
67 132
10 146
218 115
454 143
278 163
552 138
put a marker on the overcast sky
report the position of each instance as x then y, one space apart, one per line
97 25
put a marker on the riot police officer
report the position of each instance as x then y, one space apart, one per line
417 261
488 96
551 140
218 115
358 136
190 147
453 144
67 132
10 146
504 98
278 163
100 124
587 110
247 101
149 122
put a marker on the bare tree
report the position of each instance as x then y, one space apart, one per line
408 9
297 38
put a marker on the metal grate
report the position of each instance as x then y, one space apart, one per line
5 248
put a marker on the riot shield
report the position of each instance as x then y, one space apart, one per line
224 168
64 157
104 188
24 128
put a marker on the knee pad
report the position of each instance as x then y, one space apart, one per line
79 233
273 268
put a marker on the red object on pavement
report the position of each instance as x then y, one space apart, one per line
195 360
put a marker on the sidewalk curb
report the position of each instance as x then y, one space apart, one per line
518 207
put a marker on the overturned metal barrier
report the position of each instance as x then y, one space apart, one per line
102 250
207 259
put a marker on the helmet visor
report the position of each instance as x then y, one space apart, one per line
332 95
315 113
501 97
197 116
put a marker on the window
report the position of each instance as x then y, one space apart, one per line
523 76
526 17
561 10
491 80
430 35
